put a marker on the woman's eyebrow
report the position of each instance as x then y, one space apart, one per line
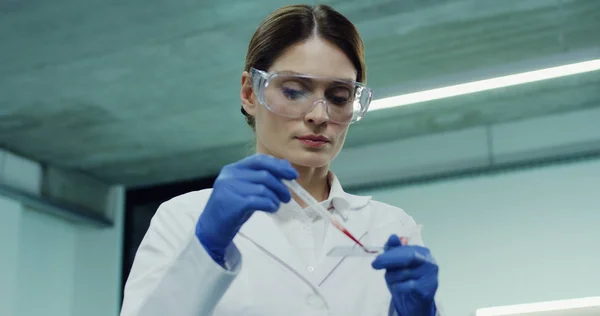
303 74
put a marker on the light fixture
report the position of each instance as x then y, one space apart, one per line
487 84
523 309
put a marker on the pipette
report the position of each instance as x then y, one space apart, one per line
310 201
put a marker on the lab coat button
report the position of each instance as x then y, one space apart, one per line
310 269
315 302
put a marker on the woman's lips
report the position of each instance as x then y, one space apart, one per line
313 141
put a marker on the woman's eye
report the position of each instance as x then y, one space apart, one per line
291 93
338 100
339 96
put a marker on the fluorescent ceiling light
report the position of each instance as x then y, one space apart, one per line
522 309
483 85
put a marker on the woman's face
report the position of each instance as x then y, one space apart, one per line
289 138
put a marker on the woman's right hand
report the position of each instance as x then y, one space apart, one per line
249 185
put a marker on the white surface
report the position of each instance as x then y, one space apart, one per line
511 238
587 306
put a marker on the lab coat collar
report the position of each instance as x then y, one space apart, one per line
339 202
344 202
263 230
347 206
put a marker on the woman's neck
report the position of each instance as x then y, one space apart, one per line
315 181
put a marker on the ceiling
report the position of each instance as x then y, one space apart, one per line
142 92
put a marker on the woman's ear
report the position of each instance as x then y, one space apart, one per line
249 101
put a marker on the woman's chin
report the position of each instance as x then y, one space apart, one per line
312 159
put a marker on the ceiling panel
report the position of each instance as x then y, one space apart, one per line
141 92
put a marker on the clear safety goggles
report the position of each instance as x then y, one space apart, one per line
295 95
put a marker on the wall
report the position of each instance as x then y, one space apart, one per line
99 259
51 266
510 238
509 233
46 261
575 133
10 223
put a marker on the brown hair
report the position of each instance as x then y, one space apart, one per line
293 24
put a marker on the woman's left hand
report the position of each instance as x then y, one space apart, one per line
411 275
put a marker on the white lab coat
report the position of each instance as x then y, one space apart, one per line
172 274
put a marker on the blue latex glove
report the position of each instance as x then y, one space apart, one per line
249 185
411 275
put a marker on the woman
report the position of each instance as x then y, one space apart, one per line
247 246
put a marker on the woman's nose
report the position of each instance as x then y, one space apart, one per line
318 115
